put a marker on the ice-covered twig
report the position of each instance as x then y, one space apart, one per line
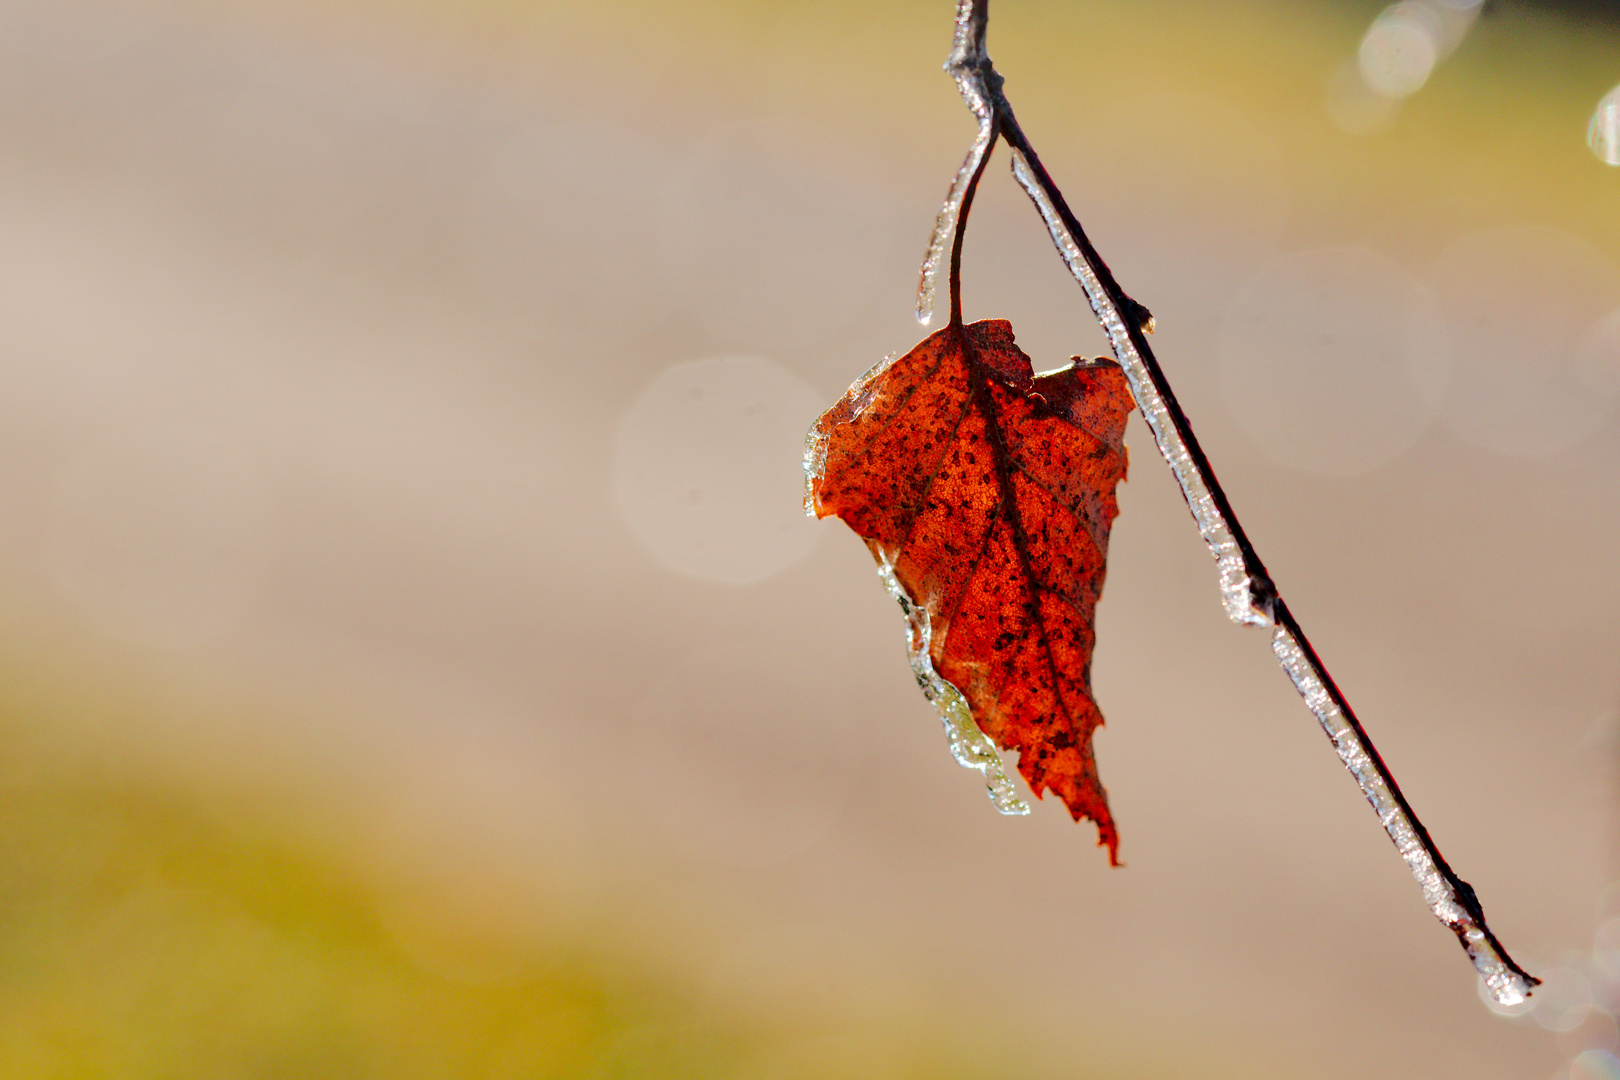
966 177
1246 589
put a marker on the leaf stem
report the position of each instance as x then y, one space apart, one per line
1247 589
989 138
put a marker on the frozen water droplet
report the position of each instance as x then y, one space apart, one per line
1516 1007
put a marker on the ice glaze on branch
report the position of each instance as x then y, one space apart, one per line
1246 589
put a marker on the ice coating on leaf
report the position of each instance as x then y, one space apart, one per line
815 443
815 463
1505 984
1237 592
971 748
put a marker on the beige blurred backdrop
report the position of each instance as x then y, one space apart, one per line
414 660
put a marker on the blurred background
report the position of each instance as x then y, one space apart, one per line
414 661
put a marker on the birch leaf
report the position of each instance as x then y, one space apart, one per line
990 492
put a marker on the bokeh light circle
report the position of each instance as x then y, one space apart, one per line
1597 1032
1606 949
1400 50
708 468
1563 999
1595 1065
1333 359
1603 132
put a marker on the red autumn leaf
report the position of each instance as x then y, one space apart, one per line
990 492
